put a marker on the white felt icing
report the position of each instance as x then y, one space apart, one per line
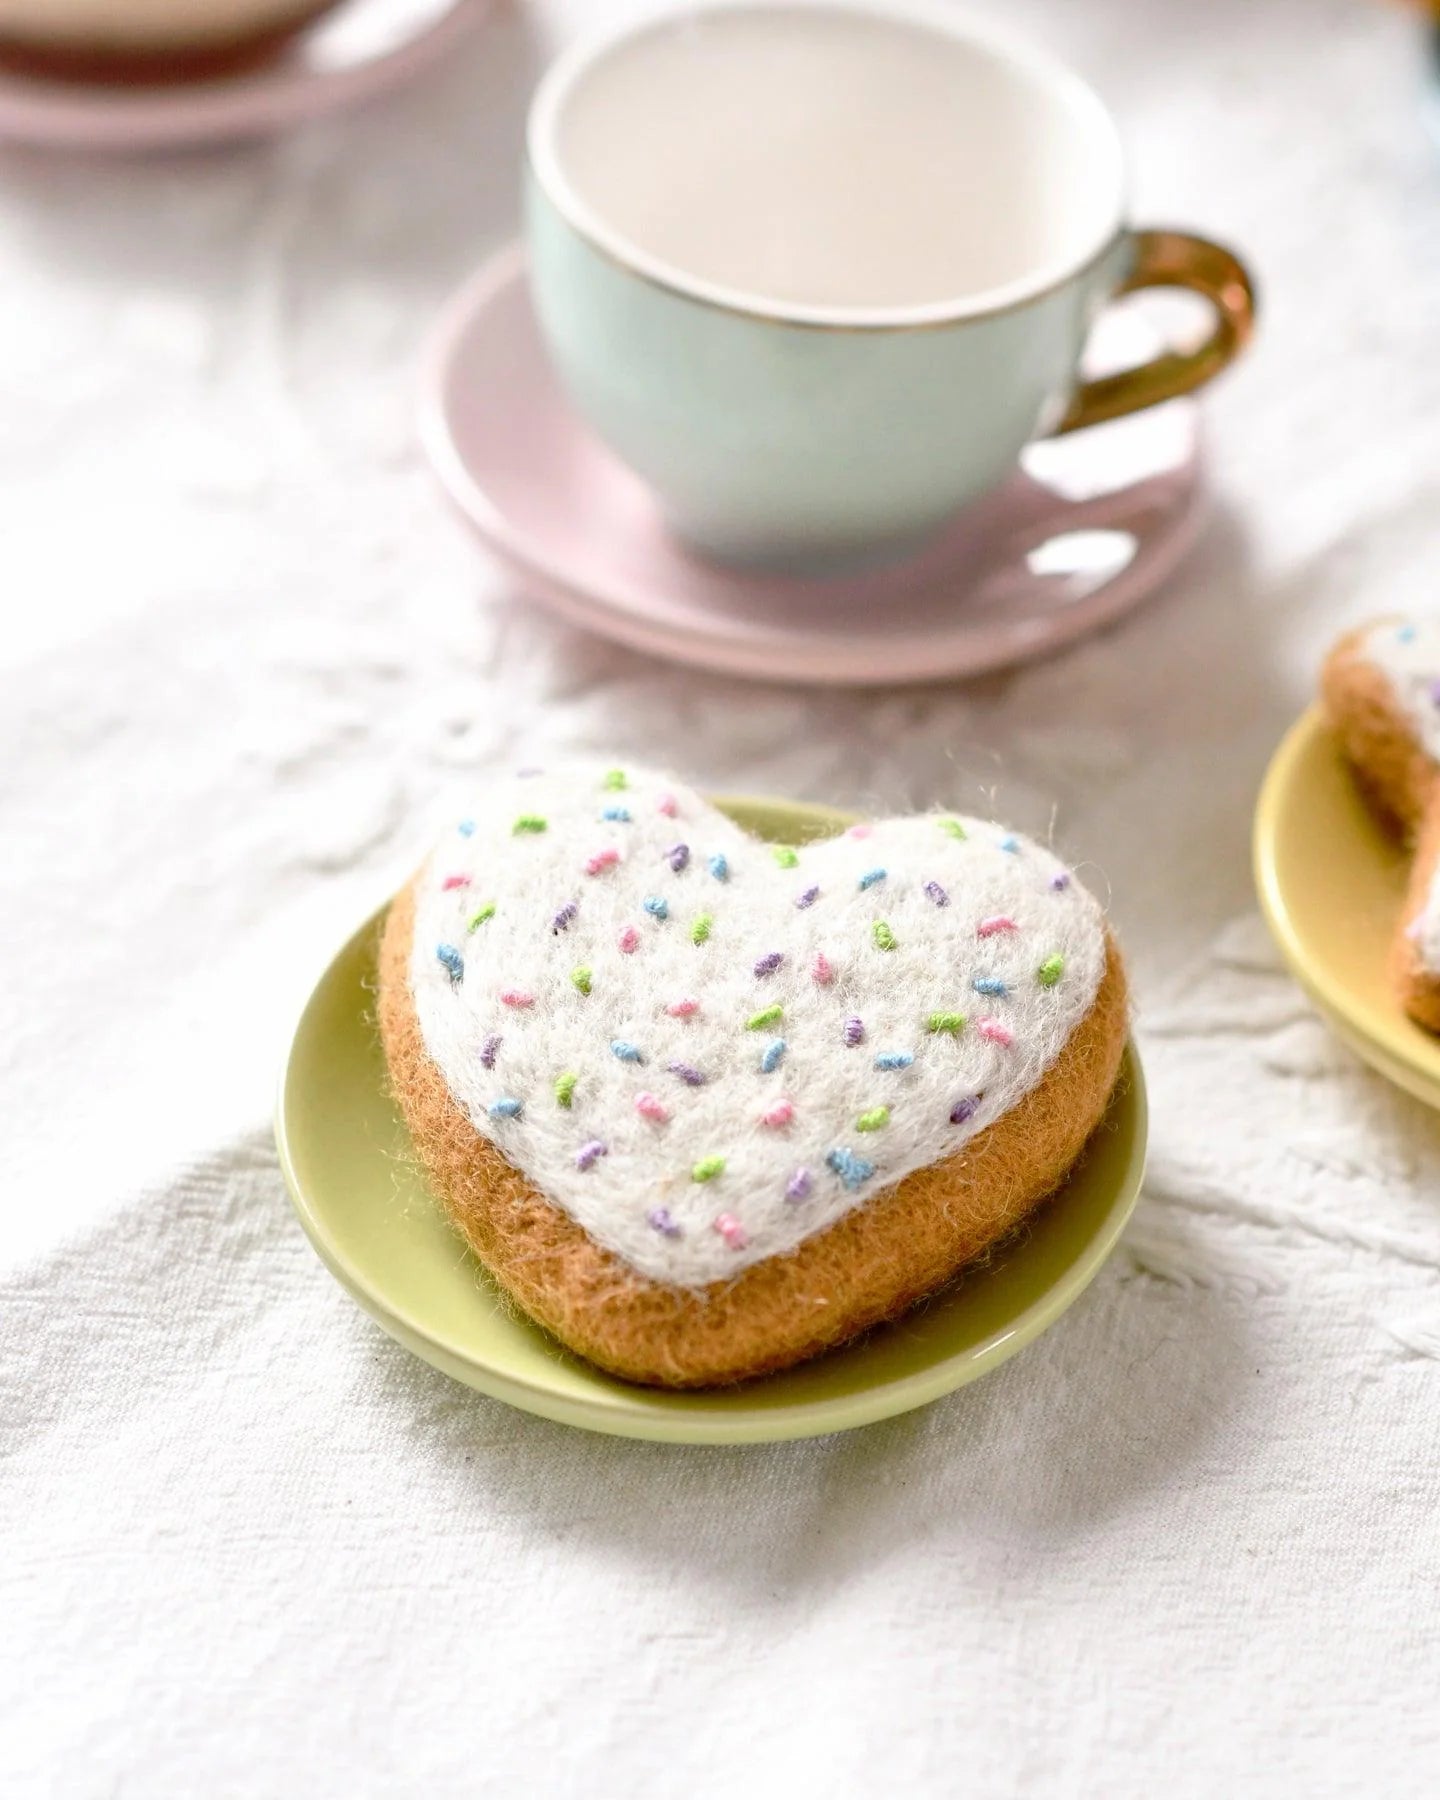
1407 652
958 1082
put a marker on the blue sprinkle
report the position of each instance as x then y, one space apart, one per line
618 815
770 1061
1405 635
870 877
853 1170
452 959
937 893
989 984
655 906
627 1052
894 1059
718 867
808 898
1011 843
466 828
505 1109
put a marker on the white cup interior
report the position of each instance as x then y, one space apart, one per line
830 160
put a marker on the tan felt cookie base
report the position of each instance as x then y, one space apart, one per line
1402 780
871 1265
189 58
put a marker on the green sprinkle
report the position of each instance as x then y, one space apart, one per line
529 822
884 937
581 978
952 828
565 1088
615 780
480 915
874 1119
787 856
954 1023
768 1015
700 930
1051 970
708 1168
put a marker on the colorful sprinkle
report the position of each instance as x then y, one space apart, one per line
466 828
1405 635
528 774
657 907
700 930
873 1120
767 1015
678 855
489 1050
1435 693
894 1059
786 855
562 918
629 941
581 979
778 1115
870 878
731 1230
505 1109
650 1106
1050 970
821 970
965 1110
884 937
687 1072
774 1055
480 916
854 1032
769 963
666 805
516 997
952 1022
565 1088
531 822
996 1033
935 892
589 1154
852 1169
997 923
659 1217
624 1051
798 1186
719 867
807 898
602 859
991 985
1010 843
451 960
683 1009
860 831
615 780
454 881
1059 882
616 815
708 1168
952 828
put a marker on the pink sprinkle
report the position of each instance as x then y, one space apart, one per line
732 1231
516 997
861 831
667 806
1000 922
629 940
454 881
602 859
781 1113
996 1032
682 1009
650 1107
822 971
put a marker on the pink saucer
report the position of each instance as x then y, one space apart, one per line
347 55
1084 530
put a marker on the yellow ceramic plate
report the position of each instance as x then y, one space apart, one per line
381 1233
1331 882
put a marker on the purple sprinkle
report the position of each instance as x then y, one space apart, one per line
808 898
690 1075
798 1186
937 893
659 1217
854 1032
768 964
589 1154
488 1052
527 774
965 1109
1060 882
677 856
566 913
1435 693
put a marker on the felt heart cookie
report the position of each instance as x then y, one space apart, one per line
1381 688
706 1106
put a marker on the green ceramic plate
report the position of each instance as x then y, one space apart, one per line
380 1232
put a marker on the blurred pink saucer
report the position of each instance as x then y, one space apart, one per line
347 55
1085 529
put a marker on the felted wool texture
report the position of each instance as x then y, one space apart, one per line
1381 690
871 1265
106 28
755 1045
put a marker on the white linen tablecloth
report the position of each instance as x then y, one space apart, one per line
1188 1543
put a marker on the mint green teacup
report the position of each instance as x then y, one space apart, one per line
818 272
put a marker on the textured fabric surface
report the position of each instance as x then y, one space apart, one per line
705 1057
1186 1542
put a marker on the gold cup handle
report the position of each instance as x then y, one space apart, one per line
1173 259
